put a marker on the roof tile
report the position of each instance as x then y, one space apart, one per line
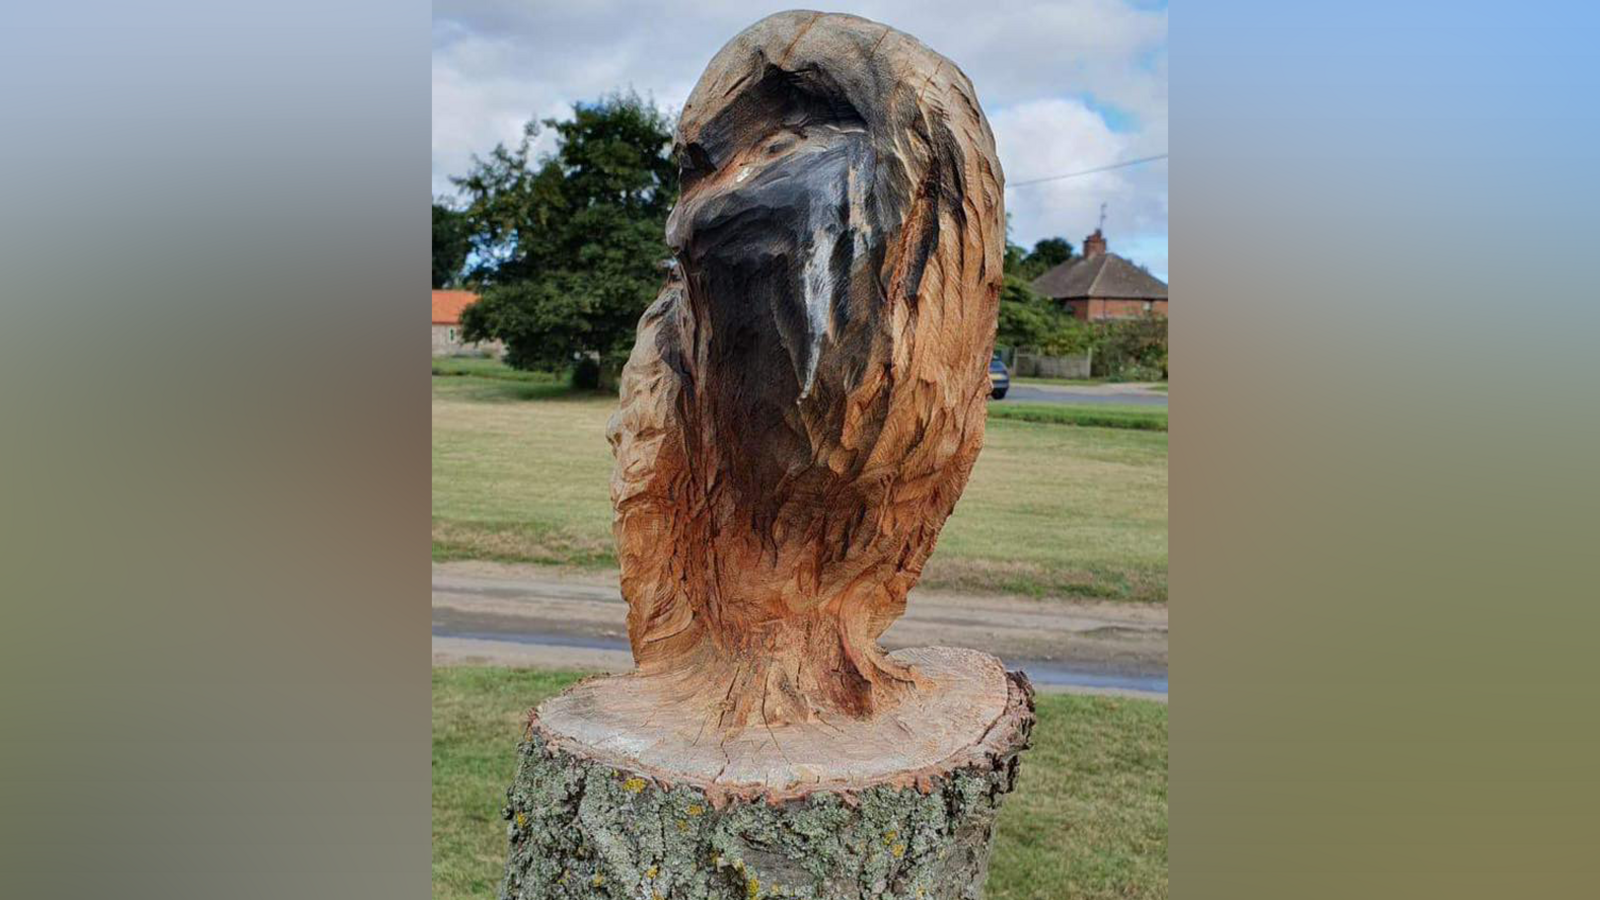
447 306
1101 276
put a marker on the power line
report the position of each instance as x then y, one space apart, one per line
1120 165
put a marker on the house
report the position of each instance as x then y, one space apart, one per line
447 307
1098 286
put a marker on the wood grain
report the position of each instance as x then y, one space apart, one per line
806 398
597 824
633 722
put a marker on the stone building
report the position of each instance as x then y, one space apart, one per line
447 307
1098 285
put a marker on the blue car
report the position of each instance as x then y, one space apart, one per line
999 378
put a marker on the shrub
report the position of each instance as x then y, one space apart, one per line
1031 322
1132 349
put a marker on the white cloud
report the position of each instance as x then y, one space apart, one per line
1022 51
1041 138
498 63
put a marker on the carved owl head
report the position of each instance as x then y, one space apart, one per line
840 234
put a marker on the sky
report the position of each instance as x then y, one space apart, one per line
1067 86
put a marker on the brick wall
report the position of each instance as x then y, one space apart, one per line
1096 310
447 342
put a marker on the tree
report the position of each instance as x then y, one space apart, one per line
1045 255
452 241
1051 252
1016 257
1025 317
570 246
1029 320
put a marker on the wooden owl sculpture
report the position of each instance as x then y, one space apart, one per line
806 397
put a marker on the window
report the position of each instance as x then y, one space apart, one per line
1149 305
453 331
1069 309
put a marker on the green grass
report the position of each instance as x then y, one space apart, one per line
486 367
521 473
1099 415
1039 381
1088 818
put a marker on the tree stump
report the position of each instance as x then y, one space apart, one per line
801 410
613 799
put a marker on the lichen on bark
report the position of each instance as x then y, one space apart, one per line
582 829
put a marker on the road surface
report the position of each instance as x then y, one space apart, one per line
1130 394
492 614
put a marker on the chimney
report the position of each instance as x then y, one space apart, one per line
1094 245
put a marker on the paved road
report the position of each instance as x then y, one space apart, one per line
1041 394
485 613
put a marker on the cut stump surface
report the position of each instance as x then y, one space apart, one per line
612 799
628 721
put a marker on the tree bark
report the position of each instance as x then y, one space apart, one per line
584 824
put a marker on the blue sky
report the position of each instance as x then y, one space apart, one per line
1067 86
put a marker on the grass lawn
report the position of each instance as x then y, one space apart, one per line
521 473
1088 819
1099 415
485 367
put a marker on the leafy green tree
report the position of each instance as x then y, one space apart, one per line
570 245
1031 321
452 241
1030 264
1025 317
1016 256
1050 252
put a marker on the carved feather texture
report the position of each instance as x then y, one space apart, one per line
806 398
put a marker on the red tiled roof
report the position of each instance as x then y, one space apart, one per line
447 306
